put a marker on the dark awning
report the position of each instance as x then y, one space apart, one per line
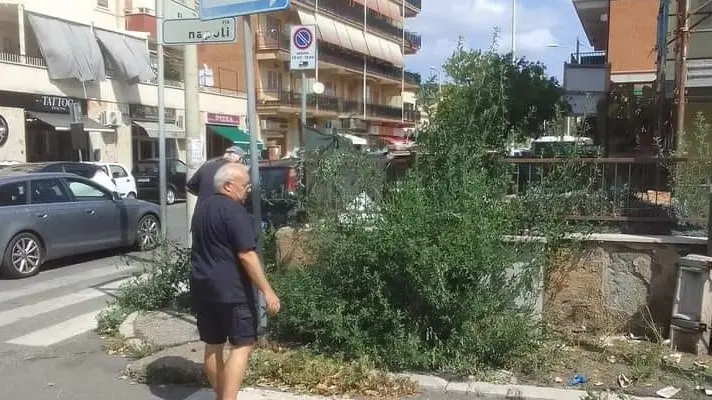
69 49
235 135
173 131
62 122
129 55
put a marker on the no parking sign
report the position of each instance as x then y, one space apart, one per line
303 48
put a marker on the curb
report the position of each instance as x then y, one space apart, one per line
127 330
433 384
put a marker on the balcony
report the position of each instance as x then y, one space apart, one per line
589 58
332 104
593 15
354 12
272 41
329 54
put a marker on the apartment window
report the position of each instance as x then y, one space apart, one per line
102 3
329 88
274 81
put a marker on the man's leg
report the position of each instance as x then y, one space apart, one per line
214 365
234 371
242 337
213 333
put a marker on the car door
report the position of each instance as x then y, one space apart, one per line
13 211
177 176
101 214
55 217
124 183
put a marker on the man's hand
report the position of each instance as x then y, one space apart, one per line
272 301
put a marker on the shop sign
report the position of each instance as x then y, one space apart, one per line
40 102
223 119
150 113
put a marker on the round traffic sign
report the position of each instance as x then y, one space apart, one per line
302 38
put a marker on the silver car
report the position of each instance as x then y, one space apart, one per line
46 216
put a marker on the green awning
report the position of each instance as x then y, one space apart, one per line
235 135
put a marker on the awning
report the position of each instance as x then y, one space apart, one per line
343 35
397 11
374 47
327 30
396 53
172 131
61 122
235 135
306 18
384 7
129 55
70 50
358 41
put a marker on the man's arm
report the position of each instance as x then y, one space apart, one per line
251 262
193 185
243 242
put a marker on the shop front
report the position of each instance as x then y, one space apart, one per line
223 131
145 136
47 127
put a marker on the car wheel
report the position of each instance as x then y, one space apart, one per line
23 256
131 195
148 232
170 196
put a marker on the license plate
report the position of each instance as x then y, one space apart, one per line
143 180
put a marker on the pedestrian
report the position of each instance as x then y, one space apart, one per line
201 183
225 271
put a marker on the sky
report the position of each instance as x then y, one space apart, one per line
540 24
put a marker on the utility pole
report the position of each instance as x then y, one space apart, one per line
514 30
161 122
191 122
304 110
253 127
683 36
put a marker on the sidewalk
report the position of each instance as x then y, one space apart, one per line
181 361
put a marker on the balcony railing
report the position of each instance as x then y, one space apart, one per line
22 59
354 12
272 41
589 58
333 56
290 98
417 4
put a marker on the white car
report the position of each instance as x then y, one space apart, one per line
121 177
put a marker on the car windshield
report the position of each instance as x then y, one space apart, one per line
146 168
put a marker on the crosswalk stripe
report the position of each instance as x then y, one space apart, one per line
16 314
58 332
58 283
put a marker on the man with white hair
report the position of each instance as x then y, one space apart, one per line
201 183
225 266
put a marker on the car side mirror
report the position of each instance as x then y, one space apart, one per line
115 196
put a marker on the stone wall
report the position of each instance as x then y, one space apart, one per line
605 283
610 282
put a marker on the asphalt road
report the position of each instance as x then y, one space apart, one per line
48 347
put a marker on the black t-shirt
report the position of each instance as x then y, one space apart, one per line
202 180
221 229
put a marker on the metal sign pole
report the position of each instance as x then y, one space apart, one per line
161 122
254 161
304 110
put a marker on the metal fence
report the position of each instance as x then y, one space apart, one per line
626 189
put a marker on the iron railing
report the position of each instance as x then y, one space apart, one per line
417 4
589 58
632 189
325 102
332 56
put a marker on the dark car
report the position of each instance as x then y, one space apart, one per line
51 215
146 174
279 183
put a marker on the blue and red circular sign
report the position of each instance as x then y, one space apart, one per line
302 38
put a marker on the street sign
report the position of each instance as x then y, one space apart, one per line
303 48
212 9
173 9
196 31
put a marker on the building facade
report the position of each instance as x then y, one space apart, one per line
362 49
53 56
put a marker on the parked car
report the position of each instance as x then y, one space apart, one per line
279 183
51 215
146 174
123 179
86 170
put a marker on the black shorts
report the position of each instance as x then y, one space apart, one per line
222 322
